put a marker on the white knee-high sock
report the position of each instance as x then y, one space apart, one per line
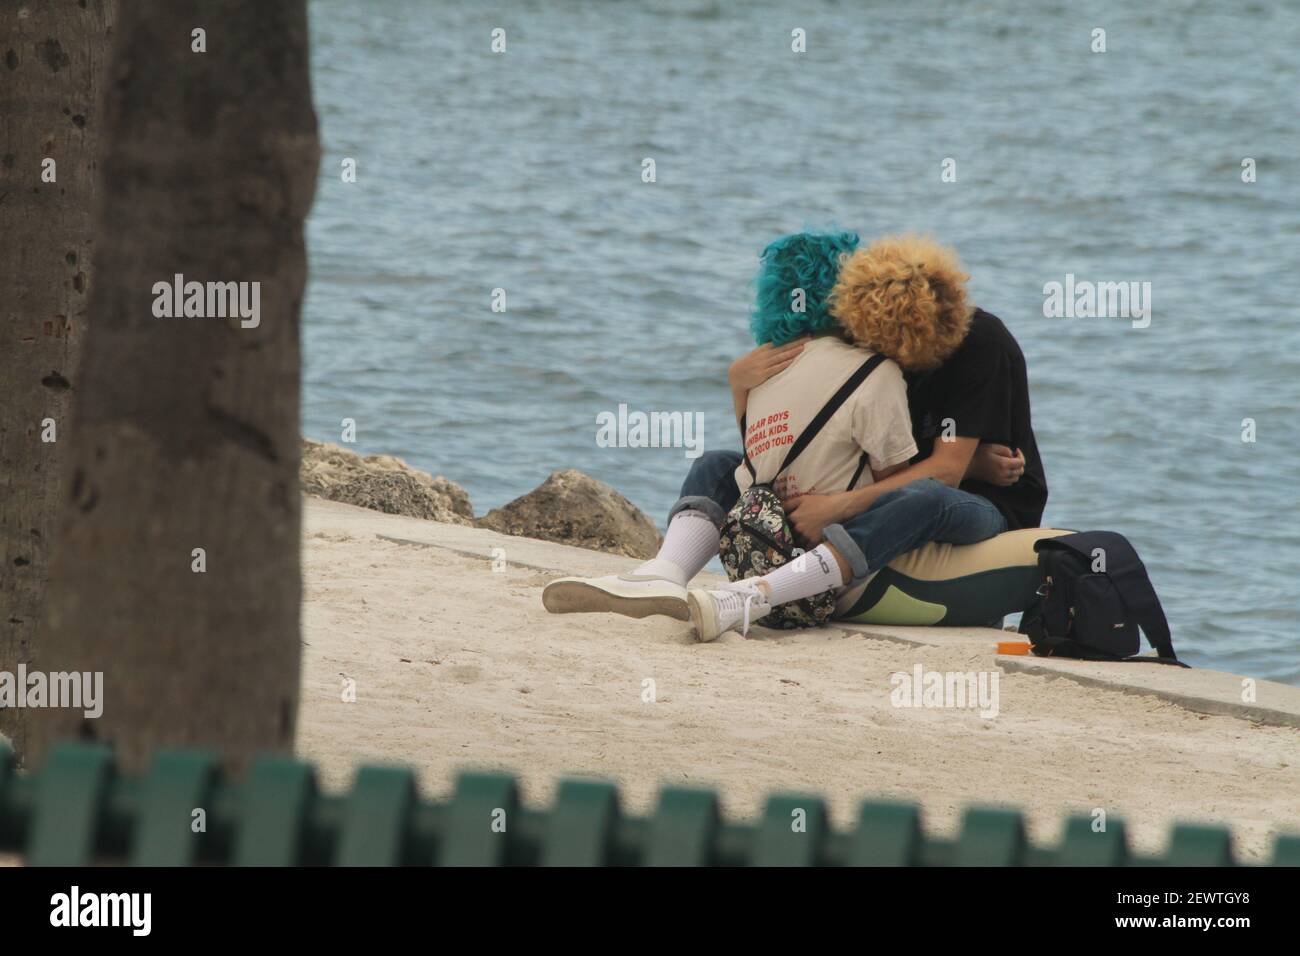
691 542
806 576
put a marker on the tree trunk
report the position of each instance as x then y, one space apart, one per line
187 427
55 59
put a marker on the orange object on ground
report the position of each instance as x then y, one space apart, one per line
1013 647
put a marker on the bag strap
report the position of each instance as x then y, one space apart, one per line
753 475
1129 575
1047 646
862 466
821 418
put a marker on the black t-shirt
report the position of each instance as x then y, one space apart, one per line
983 389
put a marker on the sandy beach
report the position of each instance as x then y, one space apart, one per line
440 632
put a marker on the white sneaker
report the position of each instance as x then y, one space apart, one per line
713 612
633 595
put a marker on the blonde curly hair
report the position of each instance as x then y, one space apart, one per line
905 297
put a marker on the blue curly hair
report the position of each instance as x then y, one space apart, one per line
802 260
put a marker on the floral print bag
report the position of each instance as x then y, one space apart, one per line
758 538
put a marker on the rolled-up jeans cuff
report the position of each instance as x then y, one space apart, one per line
707 506
839 539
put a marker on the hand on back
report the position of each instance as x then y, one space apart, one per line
755 367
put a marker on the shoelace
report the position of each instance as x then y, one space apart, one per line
744 629
747 596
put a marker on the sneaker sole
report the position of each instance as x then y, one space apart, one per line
578 597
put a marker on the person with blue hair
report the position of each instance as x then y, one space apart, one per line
802 359
795 277
796 274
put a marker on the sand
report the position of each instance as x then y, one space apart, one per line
456 665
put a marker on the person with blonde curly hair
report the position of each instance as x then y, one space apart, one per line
904 296
967 384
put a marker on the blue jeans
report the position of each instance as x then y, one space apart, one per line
897 522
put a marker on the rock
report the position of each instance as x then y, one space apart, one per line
573 508
381 483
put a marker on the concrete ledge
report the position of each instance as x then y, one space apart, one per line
932 636
1199 690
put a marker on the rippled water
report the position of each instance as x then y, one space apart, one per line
522 171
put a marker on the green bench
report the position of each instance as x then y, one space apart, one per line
76 810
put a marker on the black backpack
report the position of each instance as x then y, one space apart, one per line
1092 614
757 537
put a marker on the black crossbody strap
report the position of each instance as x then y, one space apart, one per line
862 466
822 417
753 475
830 408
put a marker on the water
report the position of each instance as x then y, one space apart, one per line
523 172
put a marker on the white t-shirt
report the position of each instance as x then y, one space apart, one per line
874 420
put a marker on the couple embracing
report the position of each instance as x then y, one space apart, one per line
880 409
